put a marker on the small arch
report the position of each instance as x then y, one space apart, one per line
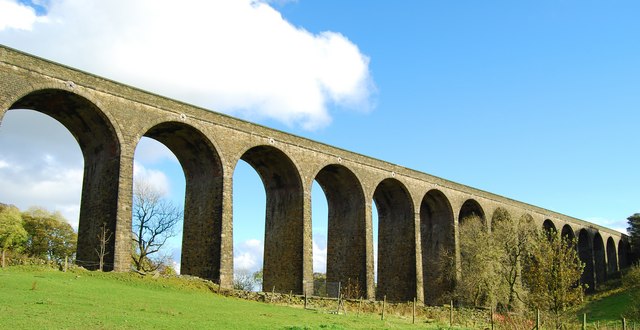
599 257
623 253
612 256
567 232
500 216
438 241
549 226
283 262
346 237
470 208
202 225
585 253
101 148
396 242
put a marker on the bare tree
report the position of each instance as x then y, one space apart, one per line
154 221
103 237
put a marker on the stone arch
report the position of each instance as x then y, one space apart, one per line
203 171
469 208
396 241
101 150
568 234
549 226
500 214
437 232
585 253
346 238
599 259
283 265
612 256
623 253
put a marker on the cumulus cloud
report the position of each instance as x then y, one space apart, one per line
235 56
154 178
17 16
248 255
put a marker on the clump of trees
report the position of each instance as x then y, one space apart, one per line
516 266
37 234
634 236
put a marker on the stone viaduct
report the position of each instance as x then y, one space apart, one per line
418 214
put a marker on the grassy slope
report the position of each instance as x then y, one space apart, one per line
608 308
119 301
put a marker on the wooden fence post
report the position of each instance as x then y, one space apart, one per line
414 311
384 302
451 314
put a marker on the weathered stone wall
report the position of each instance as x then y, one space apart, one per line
418 213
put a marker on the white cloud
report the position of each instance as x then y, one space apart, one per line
248 255
235 56
619 225
14 15
319 258
155 178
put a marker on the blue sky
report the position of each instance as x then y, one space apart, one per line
538 101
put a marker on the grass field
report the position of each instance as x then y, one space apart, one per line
43 298
39 298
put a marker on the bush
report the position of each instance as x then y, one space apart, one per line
632 282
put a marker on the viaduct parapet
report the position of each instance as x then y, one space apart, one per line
418 214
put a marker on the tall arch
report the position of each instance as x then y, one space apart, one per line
396 242
101 151
202 226
346 239
283 264
612 256
585 253
469 208
437 232
599 259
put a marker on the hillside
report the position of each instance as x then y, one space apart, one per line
43 298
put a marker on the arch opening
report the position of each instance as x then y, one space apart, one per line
585 253
623 255
549 227
471 208
100 148
158 185
612 257
600 262
396 242
346 229
202 224
249 209
284 257
437 232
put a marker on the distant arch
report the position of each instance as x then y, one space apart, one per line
101 149
585 253
623 253
612 256
346 239
396 241
500 215
202 167
470 208
284 218
549 226
437 232
567 232
599 259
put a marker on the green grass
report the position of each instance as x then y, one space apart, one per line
609 308
48 299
